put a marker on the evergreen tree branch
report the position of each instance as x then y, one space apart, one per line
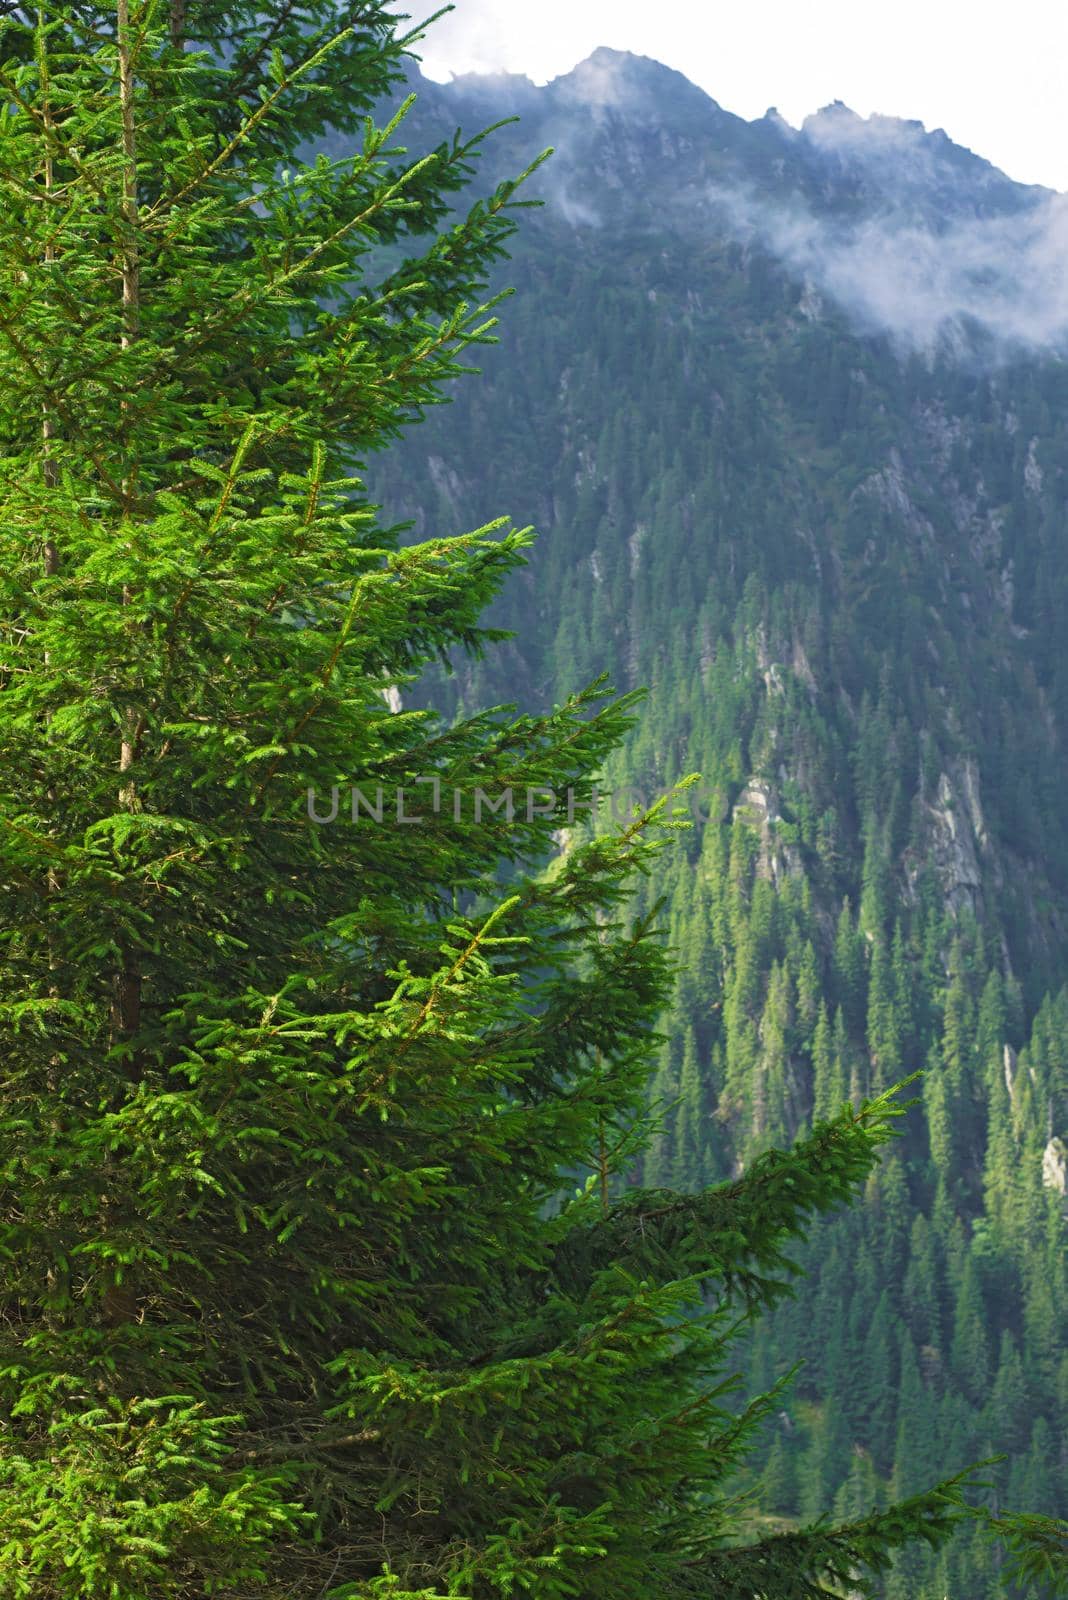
737 1233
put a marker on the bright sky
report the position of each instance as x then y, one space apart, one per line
994 75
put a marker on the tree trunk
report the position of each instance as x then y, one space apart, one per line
126 984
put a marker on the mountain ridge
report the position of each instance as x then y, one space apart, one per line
631 84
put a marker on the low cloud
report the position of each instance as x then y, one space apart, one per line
945 248
874 141
1004 276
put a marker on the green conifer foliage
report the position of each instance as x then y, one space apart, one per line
849 970
971 1343
915 1445
299 1298
779 1482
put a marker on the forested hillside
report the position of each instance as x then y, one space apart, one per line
822 518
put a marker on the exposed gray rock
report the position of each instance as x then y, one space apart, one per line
956 836
1055 1166
1032 470
759 803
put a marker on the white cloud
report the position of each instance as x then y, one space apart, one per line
1004 274
474 38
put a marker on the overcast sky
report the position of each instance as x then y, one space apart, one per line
993 75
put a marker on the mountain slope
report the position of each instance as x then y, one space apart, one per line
786 409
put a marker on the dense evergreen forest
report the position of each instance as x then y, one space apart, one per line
384 1209
837 560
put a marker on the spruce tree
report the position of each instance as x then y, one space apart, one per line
916 1450
300 1298
778 1484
